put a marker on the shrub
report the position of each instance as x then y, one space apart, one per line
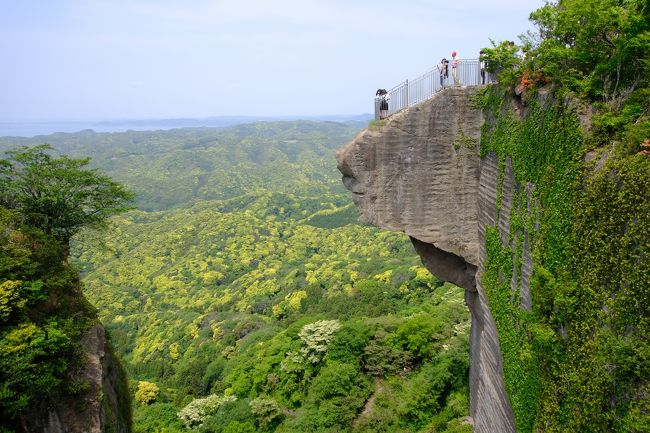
146 393
199 409
266 410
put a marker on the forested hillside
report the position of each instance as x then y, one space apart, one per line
243 296
48 330
177 167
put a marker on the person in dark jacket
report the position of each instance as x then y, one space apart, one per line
443 68
382 97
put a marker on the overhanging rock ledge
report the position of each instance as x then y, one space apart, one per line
419 172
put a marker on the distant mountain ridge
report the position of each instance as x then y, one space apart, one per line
174 168
40 128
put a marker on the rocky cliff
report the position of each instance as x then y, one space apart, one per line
102 408
420 173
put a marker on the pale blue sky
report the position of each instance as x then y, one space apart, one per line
101 59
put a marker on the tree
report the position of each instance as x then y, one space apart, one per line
266 410
316 337
598 48
58 195
146 393
199 409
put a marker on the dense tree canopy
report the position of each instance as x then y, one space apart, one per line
253 279
597 47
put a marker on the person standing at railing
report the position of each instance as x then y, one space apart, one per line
481 60
443 68
454 68
383 97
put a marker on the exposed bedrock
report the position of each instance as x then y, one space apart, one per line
104 407
420 173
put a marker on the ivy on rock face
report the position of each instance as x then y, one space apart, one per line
572 353
579 360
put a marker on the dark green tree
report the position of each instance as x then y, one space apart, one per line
598 48
58 195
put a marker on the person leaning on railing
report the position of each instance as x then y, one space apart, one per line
482 63
383 97
443 68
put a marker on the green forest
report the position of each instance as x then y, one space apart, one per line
242 295
44 201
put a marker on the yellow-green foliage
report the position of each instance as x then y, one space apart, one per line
210 296
281 264
10 299
147 392
291 303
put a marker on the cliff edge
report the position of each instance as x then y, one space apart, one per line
420 172
104 406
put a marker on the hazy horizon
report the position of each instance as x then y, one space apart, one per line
30 129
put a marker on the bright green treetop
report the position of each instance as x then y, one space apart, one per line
58 195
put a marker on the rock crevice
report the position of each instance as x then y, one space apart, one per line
103 408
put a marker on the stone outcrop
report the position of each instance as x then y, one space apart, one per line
420 172
102 408
393 170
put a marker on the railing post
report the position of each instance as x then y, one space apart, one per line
377 102
406 86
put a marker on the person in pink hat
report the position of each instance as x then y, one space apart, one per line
454 68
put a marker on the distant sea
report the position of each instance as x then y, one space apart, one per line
31 129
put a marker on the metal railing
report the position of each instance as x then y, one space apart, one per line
409 93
